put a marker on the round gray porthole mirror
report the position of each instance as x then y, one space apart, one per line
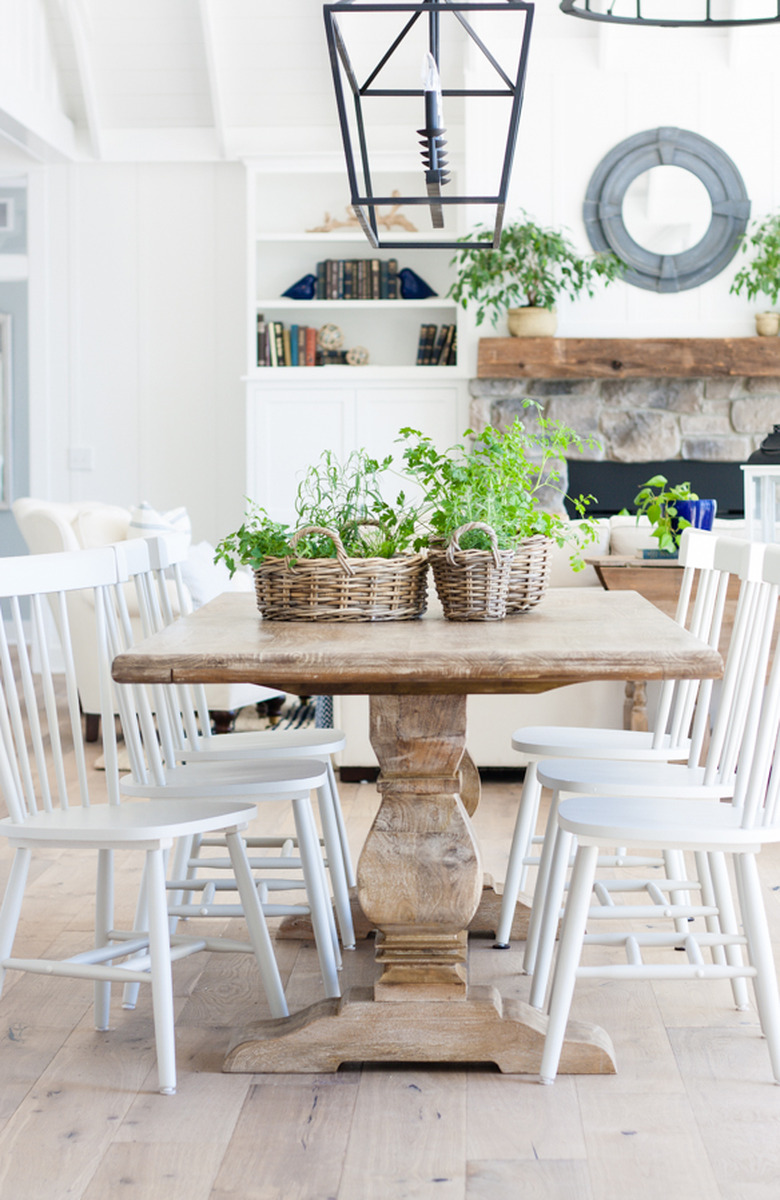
671 205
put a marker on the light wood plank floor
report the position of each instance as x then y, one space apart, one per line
692 1114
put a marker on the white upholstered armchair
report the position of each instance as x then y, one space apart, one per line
47 527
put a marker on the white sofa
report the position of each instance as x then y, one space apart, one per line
491 719
48 527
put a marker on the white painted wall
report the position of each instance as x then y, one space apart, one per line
139 324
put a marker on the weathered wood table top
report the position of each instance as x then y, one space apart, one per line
575 634
419 877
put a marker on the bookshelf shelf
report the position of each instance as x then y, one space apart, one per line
284 302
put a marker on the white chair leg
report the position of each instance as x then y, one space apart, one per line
729 925
761 957
140 922
256 926
540 889
674 865
104 922
182 852
337 870
708 898
521 839
12 905
162 981
569 949
349 870
551 903
319 901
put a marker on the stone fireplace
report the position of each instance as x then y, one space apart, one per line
663 416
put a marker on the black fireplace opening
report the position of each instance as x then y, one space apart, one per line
615 484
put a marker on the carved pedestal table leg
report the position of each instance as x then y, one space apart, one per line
419 884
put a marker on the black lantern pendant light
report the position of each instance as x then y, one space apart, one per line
350 29
676 14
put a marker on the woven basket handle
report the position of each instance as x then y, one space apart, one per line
454 543
341 555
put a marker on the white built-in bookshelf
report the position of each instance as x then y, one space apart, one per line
305 409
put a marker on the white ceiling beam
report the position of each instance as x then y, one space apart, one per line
76 19
207 27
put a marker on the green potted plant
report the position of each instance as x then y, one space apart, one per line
671 508
531 269
350 555
482 501
761 275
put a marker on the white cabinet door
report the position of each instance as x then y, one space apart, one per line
380 412
289 426
287 430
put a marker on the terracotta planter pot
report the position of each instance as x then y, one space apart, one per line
532 322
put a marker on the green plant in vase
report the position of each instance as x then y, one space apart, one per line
658 501
761 275
531 269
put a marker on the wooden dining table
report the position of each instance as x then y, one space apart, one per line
419 876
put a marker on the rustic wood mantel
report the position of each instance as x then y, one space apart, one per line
626 358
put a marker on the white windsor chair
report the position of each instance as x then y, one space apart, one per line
153 724
715 780
700 608
47 789
196 743
749 747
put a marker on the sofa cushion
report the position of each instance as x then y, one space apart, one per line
100 525
203 578
629 536
146 521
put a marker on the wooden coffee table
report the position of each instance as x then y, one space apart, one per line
419 875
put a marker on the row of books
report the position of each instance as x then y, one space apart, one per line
437 348
358 279
278 346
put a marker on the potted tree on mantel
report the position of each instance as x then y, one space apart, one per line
762 274
526 275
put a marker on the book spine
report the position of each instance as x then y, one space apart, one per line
375 279
340 279
452 358
301 345
311 346
272 344
262 338
322 286
393 290
286 350
384 293
438 345
293 345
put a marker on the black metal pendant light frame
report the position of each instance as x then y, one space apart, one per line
582 8
433 168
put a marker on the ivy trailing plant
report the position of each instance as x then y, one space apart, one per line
498 477
762 274
656 500
343 496
532 266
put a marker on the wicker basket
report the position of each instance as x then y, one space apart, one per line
472 585
341 588
530 573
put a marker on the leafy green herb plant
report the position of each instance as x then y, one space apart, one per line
532 266
762 274
656 500
346 497
497 477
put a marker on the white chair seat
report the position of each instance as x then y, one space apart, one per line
276 777
607 778
680 824
542 741
152 821
252 742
